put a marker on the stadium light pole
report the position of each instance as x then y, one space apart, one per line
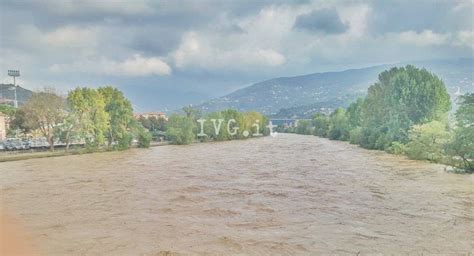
14 74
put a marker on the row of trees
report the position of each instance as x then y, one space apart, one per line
97 117
216 126
404 112
103 117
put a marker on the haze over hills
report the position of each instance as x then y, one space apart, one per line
302 96
7 94
298 96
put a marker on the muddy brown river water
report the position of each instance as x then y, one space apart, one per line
289 195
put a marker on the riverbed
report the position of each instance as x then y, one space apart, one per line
288 195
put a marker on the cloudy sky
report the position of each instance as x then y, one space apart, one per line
177 52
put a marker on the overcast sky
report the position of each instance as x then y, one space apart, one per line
209 48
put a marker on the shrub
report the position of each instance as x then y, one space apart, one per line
321 125
397 148
338 125
144 139
427 141
304 127
180 130
355 135
124 142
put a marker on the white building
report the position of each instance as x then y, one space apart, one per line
3 126
148 115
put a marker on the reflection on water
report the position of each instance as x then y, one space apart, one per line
274 196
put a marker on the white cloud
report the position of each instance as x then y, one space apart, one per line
59 40
268 39
218 53
77 7
465 38
424 38
258 44
138 66
356 16
270 57
71 37
133 67
103 37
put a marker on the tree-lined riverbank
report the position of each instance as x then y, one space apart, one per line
405 112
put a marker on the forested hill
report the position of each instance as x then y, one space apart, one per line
302 96
7 94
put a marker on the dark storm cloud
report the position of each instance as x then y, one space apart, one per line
151 27
176 13
325 20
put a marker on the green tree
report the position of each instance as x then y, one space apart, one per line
7 110
88 106
157 124
427 141
119 113
321 125
401 98
20 122
44 111
304 127
180 130
338 125
145 122
354 113
462 146
144 139
160 124
215 127
254 123
191 112
465 111
355 135
67 130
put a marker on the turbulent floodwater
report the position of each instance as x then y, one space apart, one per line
271 196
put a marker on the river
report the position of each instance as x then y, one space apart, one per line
288 195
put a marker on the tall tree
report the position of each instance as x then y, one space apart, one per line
401 98
68 129
180 130
462 146
321 125
338 125
354 113
427 141
44 111
120 114
191 112
88 105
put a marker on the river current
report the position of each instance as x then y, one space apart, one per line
288 195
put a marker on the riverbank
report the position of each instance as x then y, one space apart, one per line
17 156
8 156
448 162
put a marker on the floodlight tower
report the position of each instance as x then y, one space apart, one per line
14 74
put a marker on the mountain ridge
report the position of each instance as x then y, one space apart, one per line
335 88
7 94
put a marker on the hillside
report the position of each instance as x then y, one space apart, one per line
302 96
7 94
